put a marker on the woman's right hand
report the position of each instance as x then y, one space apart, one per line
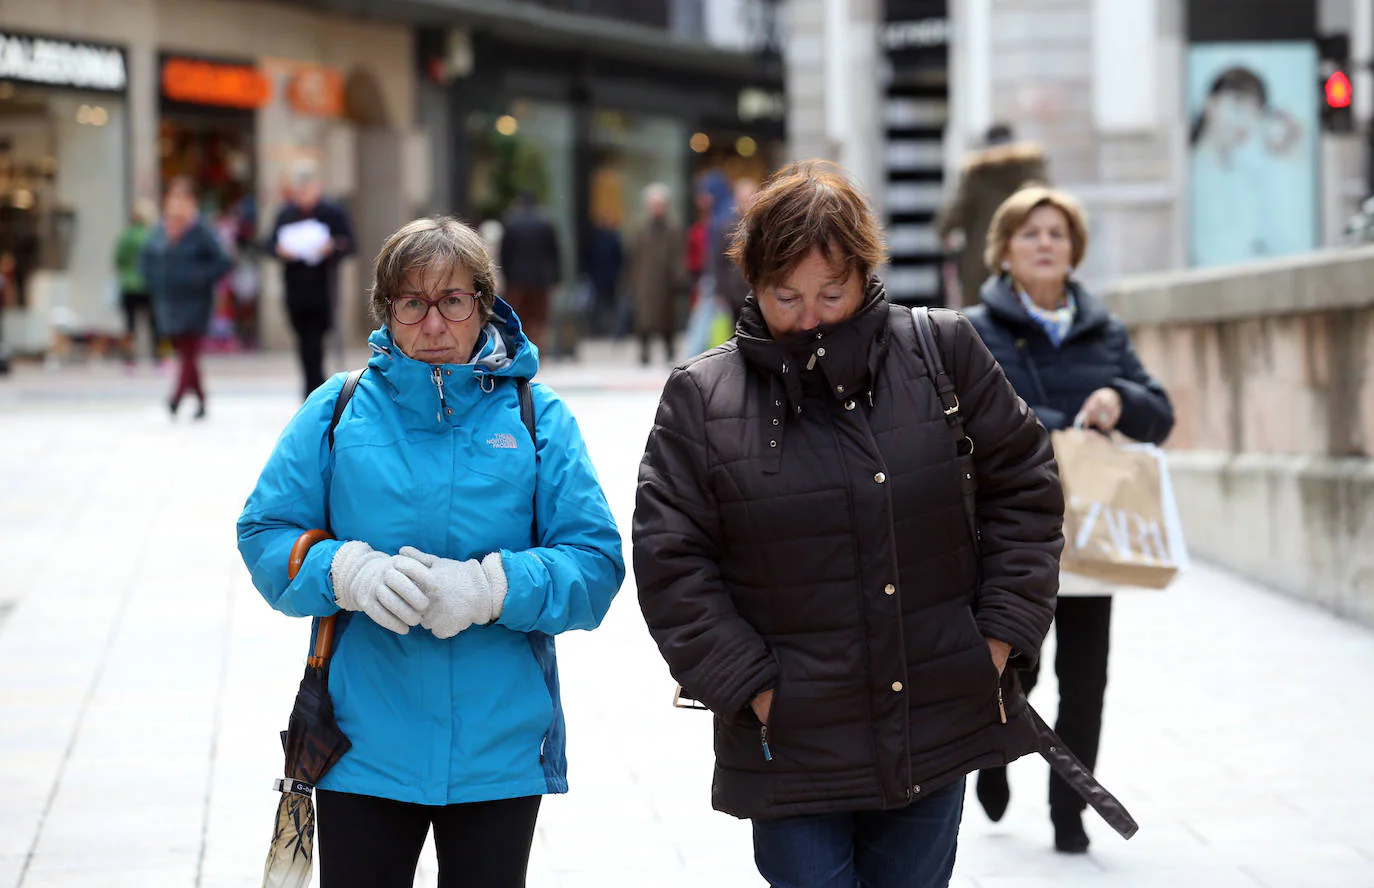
763 705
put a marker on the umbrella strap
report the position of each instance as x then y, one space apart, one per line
299 787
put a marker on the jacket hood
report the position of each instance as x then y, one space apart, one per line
1010 154
999 295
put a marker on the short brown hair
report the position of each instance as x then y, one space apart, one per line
1014 212
805 205
429 243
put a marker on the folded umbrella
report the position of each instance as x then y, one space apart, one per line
312 742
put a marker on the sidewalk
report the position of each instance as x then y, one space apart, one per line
143 680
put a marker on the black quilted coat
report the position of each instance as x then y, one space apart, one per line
799 527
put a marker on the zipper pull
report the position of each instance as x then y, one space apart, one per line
437 376
811 364
1001 707
763 735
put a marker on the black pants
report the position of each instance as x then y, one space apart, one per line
310 328
137 303
1082 628
367 842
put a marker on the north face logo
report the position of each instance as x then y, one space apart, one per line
503 442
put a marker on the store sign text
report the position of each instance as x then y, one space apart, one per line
60 63
212 83
920 34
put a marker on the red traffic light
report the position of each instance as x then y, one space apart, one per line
1338 90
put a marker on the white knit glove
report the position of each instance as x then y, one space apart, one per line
461 593
369 581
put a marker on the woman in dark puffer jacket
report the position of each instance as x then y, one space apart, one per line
1071 361
804 562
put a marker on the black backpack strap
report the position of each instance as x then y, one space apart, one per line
527 417
949 402
350 384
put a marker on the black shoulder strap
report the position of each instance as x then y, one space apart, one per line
527 410
949 402
350 384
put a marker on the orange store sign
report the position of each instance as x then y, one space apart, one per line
213 83
317 91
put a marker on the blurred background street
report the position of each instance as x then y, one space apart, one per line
143 680
1223 152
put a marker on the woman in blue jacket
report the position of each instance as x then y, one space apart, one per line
1072 362
462 547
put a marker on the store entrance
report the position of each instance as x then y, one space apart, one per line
214 148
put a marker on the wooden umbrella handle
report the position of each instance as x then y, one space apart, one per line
324 636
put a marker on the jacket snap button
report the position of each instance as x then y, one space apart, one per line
777 403
775 422
449 411
896 686
890 589
772 443
849 405
840 389
916 790
880 478
820 352
448 372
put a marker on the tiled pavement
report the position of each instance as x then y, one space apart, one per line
142 682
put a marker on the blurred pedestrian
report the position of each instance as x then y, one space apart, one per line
133 287
181 262
805 566
450 518
989 176
605 260
531 264
730 284
310 236
655 275
1071 361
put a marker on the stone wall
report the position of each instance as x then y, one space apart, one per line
1269 368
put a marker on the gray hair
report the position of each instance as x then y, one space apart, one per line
305 172
434 242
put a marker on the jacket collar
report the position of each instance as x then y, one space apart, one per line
842 358
432 396
1006 308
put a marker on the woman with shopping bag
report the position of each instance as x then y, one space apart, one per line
1072 362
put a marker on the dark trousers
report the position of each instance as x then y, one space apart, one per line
187 347
911 847
310 329
1082 631
367 842
136 304
532 307
646 341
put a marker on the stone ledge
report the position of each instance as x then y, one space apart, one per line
1298 523
1312 282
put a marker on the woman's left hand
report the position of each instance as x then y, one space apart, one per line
1102 410
1000 651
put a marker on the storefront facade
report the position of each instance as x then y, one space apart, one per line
63 175
235 95
585 133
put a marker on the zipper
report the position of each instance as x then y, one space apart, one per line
763 736
1001 706
437 376
1023 348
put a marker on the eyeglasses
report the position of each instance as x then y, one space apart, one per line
455 306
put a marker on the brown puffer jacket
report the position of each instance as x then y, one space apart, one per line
798 526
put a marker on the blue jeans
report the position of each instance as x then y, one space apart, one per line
911 847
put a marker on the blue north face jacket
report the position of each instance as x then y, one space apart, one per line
438 458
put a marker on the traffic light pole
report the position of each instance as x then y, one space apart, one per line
1362 61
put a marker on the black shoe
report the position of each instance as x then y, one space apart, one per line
200 411
1069 836
993 792
172 405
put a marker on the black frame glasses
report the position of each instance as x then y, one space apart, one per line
434 303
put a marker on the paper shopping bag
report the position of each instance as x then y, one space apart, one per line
1121 523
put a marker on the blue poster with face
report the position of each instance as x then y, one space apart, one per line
1252 151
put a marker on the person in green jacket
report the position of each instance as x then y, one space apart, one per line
133 287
